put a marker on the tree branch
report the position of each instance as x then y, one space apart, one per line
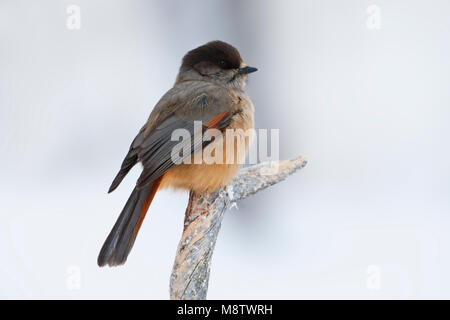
204 214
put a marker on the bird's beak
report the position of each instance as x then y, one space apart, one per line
246 70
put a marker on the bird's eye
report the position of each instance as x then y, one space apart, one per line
223 64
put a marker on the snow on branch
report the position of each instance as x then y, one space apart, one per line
204 214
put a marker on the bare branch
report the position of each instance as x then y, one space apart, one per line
204 214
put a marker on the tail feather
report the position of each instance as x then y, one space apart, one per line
120 240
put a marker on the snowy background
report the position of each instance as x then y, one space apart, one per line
370 108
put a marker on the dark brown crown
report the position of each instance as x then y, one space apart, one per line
217 52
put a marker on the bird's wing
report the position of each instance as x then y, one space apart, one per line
153 145
130 160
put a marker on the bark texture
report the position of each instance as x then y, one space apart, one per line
204 214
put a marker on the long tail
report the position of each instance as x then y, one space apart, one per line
120 240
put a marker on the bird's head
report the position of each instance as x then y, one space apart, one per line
217 62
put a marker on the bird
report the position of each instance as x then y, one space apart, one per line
209 89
